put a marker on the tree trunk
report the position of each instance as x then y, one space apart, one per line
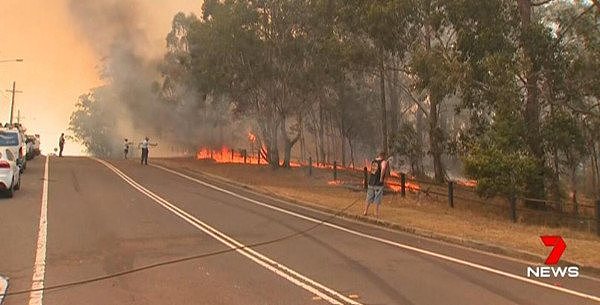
418 158
288 142
535 187
351 151
574 188
555 183
321 131
302 148
435 141
394 103
273 147
343 142
287 154
595 172
384 130
342 121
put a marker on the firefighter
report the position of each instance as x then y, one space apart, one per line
145 145
379 171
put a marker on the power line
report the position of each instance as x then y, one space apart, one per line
183 259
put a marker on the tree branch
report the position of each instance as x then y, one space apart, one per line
421 107
540 3
568 27
597 4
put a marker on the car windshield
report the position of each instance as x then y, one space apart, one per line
9 138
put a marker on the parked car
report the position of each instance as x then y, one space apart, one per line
10 173
13 139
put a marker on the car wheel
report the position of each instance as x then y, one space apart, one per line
10 192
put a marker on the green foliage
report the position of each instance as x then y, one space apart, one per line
562 133
406 144
93 124
499 172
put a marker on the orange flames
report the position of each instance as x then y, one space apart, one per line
469 183
334 182
397 186
251 137
226 155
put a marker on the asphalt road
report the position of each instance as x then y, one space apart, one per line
105 218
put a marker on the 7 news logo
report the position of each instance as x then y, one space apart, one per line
551 270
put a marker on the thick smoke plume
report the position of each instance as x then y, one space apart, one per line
118 31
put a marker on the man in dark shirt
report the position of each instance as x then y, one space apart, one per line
379 169
61 144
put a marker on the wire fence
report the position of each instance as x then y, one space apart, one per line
583 216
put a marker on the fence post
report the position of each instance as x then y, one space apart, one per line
598 217
232 154
259 156
245 152
310 166
513 208
403 184
366 178
451 193
334 170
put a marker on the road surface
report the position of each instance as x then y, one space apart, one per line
96 218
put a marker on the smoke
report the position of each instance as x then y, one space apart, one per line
116 32
119 31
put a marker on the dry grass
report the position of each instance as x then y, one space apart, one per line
415 211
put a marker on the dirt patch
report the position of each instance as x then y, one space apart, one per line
477 223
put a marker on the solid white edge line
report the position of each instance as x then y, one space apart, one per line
278 268
39 269
386 241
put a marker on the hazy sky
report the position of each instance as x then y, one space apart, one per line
59 64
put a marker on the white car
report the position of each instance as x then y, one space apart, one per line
13 139
10 173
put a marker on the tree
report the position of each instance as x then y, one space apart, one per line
406 144
92 124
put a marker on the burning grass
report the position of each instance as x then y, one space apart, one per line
226 155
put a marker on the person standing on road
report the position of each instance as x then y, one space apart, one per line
145 145
379 169
61 144
126 148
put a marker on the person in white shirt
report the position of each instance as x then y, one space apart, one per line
126 148
144 145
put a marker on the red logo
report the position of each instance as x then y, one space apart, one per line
558 245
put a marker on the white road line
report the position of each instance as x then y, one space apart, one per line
388 242
39 269
287 273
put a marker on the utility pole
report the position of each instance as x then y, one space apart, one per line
12 105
